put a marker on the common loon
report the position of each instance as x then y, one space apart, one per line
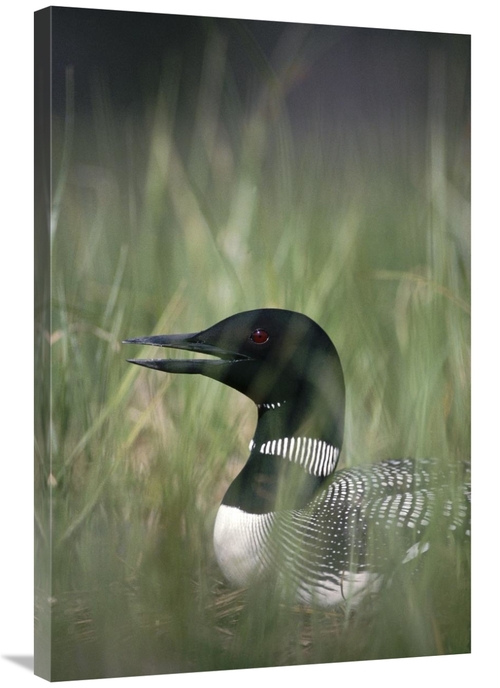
326 537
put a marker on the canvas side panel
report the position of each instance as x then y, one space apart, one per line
42 471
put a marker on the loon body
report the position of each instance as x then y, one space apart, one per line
325 536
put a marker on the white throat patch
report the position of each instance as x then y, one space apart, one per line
239 541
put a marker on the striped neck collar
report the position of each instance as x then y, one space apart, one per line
317 457
302 432
271 406
295 448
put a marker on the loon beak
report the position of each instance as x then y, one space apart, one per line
187 342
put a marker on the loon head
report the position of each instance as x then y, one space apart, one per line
277 358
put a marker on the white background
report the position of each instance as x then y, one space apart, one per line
16 336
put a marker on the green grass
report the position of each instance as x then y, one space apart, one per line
163 230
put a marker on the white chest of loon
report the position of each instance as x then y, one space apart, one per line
285 516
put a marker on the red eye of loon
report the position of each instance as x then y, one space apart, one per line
259 337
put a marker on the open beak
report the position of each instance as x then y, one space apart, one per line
187 342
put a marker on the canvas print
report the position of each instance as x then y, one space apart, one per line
252 340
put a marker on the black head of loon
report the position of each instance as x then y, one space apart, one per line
278 358
289 367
